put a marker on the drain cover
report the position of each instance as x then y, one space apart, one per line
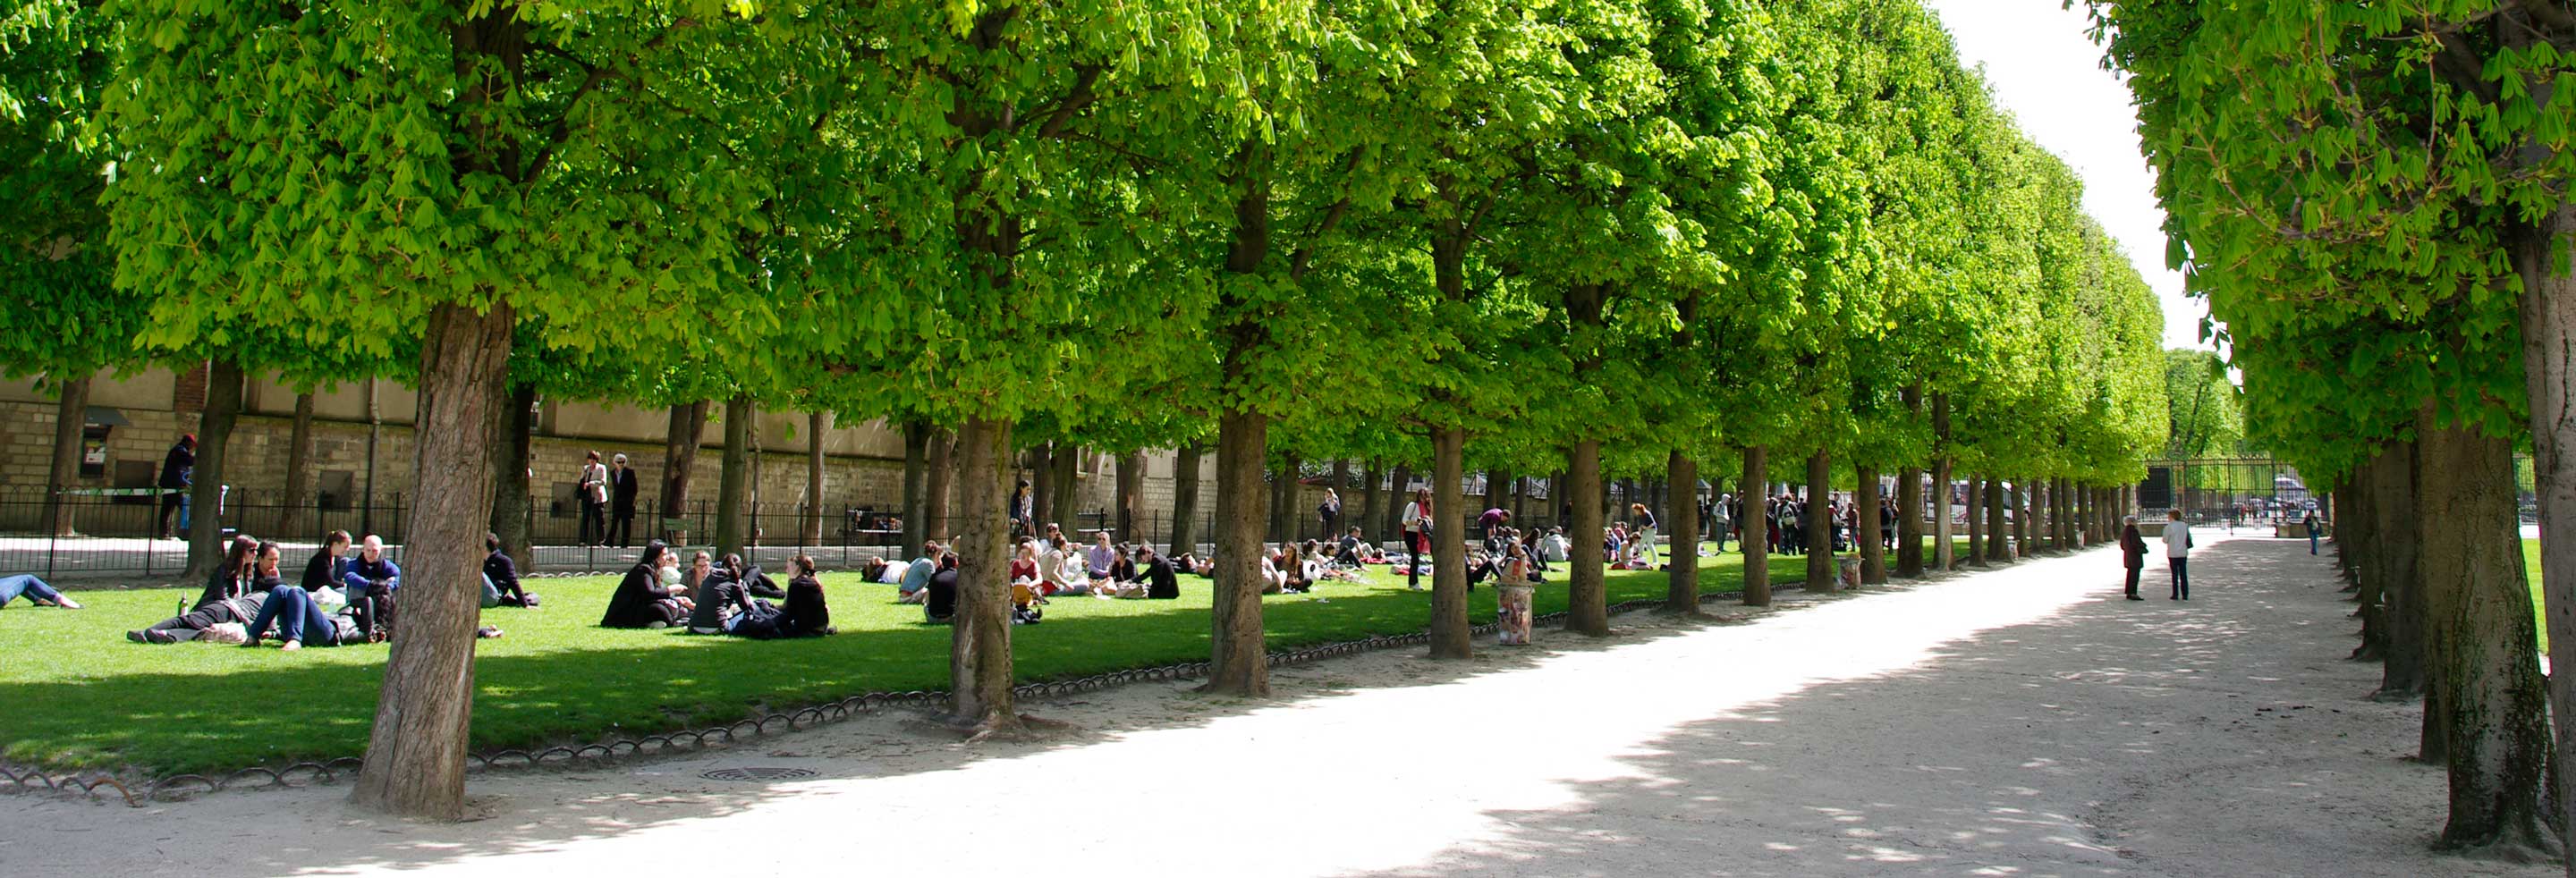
758 773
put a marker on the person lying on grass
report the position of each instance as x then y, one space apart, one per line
754 582
36 590
237 612
641 601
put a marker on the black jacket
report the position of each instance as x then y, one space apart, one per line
621 490
1159 583
633 604
178 469
503 572
324 571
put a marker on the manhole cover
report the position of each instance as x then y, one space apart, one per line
758 774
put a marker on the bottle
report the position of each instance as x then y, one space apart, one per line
183 604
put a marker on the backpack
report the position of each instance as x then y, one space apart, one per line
1027 615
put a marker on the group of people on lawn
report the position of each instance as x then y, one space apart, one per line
339 599
718 596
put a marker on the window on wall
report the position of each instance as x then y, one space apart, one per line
339 489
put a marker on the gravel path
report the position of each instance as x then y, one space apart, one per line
2022 722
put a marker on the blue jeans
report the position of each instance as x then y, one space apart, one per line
297 618
2312 541
27 584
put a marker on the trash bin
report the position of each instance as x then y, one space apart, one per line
1513 617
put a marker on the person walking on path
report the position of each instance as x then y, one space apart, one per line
2310 519
2178 554
2133 553
594 501
178 471
621 505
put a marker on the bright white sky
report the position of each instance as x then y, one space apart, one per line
2048 74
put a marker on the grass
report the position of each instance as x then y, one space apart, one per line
79 695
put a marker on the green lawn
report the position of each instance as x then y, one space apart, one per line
79 695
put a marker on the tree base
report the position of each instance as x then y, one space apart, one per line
2523 842
1003 727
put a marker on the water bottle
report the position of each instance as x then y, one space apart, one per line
183 605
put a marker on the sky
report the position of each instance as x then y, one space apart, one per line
2048 74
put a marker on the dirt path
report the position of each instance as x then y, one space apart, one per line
2008 723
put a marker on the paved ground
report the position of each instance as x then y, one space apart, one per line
2023 722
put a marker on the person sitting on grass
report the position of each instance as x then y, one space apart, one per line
641 601
36 590
371 569
1119 580
939 596
501 575
711 597
233 578
916 575
1096 560
1024 571
1294 577
324 569
300 621
1071 574
1160 582
806 613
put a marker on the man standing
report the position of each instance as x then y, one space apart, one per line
2310 519
621 489
594 501
178 471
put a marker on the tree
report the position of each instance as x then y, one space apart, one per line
2397 166
503 164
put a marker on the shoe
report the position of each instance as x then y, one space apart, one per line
2136 598
136 636
657 623
159 637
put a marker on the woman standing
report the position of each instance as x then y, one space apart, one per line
2133 553
1417 536
2178 554
1331 512
594 501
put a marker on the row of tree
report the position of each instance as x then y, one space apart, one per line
2373 197
1578 236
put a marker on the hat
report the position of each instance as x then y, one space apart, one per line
188 438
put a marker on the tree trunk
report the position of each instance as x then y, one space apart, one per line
1185 499
1756 529
979 636
1131 493
2394 562
1681 514
1449 635
1067 464
916 484
1998 538
818 423
1042 486
214 441
1283 500
1366 520
510 488
1587 592
1520 502
1494 480
688 430
2485 644
1820 525
1975 511
1238 663
1944 547
1559 514
1391 519
935 486
2549 371
375 425
71 416
299 481
1865 506
2368 590
733 481
415 760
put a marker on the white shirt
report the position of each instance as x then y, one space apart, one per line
2177 540
1413 517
